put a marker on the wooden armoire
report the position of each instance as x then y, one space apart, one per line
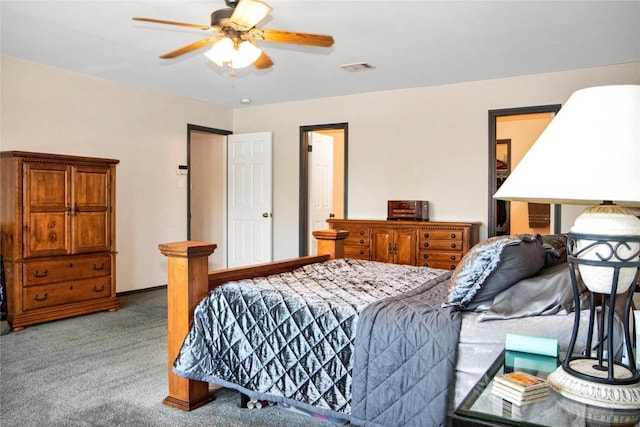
58 235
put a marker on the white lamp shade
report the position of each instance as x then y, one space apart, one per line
590 152
221 52
246 55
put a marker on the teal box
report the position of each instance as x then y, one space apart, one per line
531 344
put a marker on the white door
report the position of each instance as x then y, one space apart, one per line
320 185
249 204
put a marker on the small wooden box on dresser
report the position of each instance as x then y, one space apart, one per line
57 220
423 243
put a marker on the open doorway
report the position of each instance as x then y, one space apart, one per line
206 189
511 133
323 179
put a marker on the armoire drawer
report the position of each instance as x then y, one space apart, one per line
36 297
69 268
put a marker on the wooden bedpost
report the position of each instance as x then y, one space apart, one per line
331 242
187 284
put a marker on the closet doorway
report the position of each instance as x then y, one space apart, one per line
511 133
323 180
206 189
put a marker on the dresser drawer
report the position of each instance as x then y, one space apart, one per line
437 264
441 245
36 297
456 235
356 252
70 268
434 256
357 237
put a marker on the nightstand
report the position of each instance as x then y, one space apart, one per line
482 408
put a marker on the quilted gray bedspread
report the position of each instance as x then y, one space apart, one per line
304 338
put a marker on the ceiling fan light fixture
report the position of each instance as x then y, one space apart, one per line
249 12
225 52
221 52
246 55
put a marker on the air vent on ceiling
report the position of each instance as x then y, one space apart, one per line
358 66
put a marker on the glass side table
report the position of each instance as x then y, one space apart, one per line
482 408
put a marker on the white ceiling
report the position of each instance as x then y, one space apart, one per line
410 43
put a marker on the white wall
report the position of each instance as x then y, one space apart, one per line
50 110
428 143
424 143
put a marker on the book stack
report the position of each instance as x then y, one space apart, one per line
520 388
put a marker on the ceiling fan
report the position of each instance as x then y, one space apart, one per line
235 44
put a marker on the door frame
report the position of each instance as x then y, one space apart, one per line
303 217
197 128
493 116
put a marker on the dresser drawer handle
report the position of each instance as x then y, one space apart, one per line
44 297
361 232
453 267
453 257
98 289
425 256
98 267
453 245
43 274
426 235
361 241
453 235
426 244
361 252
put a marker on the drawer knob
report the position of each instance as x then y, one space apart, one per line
98 267
453 257
453 267
361 232
426 235
425 256
43 298
361 252
43 274
426 244
453 245
98 289
453 235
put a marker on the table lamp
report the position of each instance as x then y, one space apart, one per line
590 155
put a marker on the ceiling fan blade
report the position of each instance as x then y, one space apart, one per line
190 47
248 13
263 62
182 24
278 36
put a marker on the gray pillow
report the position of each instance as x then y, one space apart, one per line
548 292
492 266
556 249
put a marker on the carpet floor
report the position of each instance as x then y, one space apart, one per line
109 369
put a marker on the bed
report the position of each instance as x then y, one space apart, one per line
369 343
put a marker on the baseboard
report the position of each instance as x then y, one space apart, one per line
139 291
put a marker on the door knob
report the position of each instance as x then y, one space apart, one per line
265 215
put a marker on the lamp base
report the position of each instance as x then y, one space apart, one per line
613 396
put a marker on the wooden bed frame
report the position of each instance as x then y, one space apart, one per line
189 281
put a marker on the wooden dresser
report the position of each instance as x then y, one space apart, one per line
423 243
58 235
